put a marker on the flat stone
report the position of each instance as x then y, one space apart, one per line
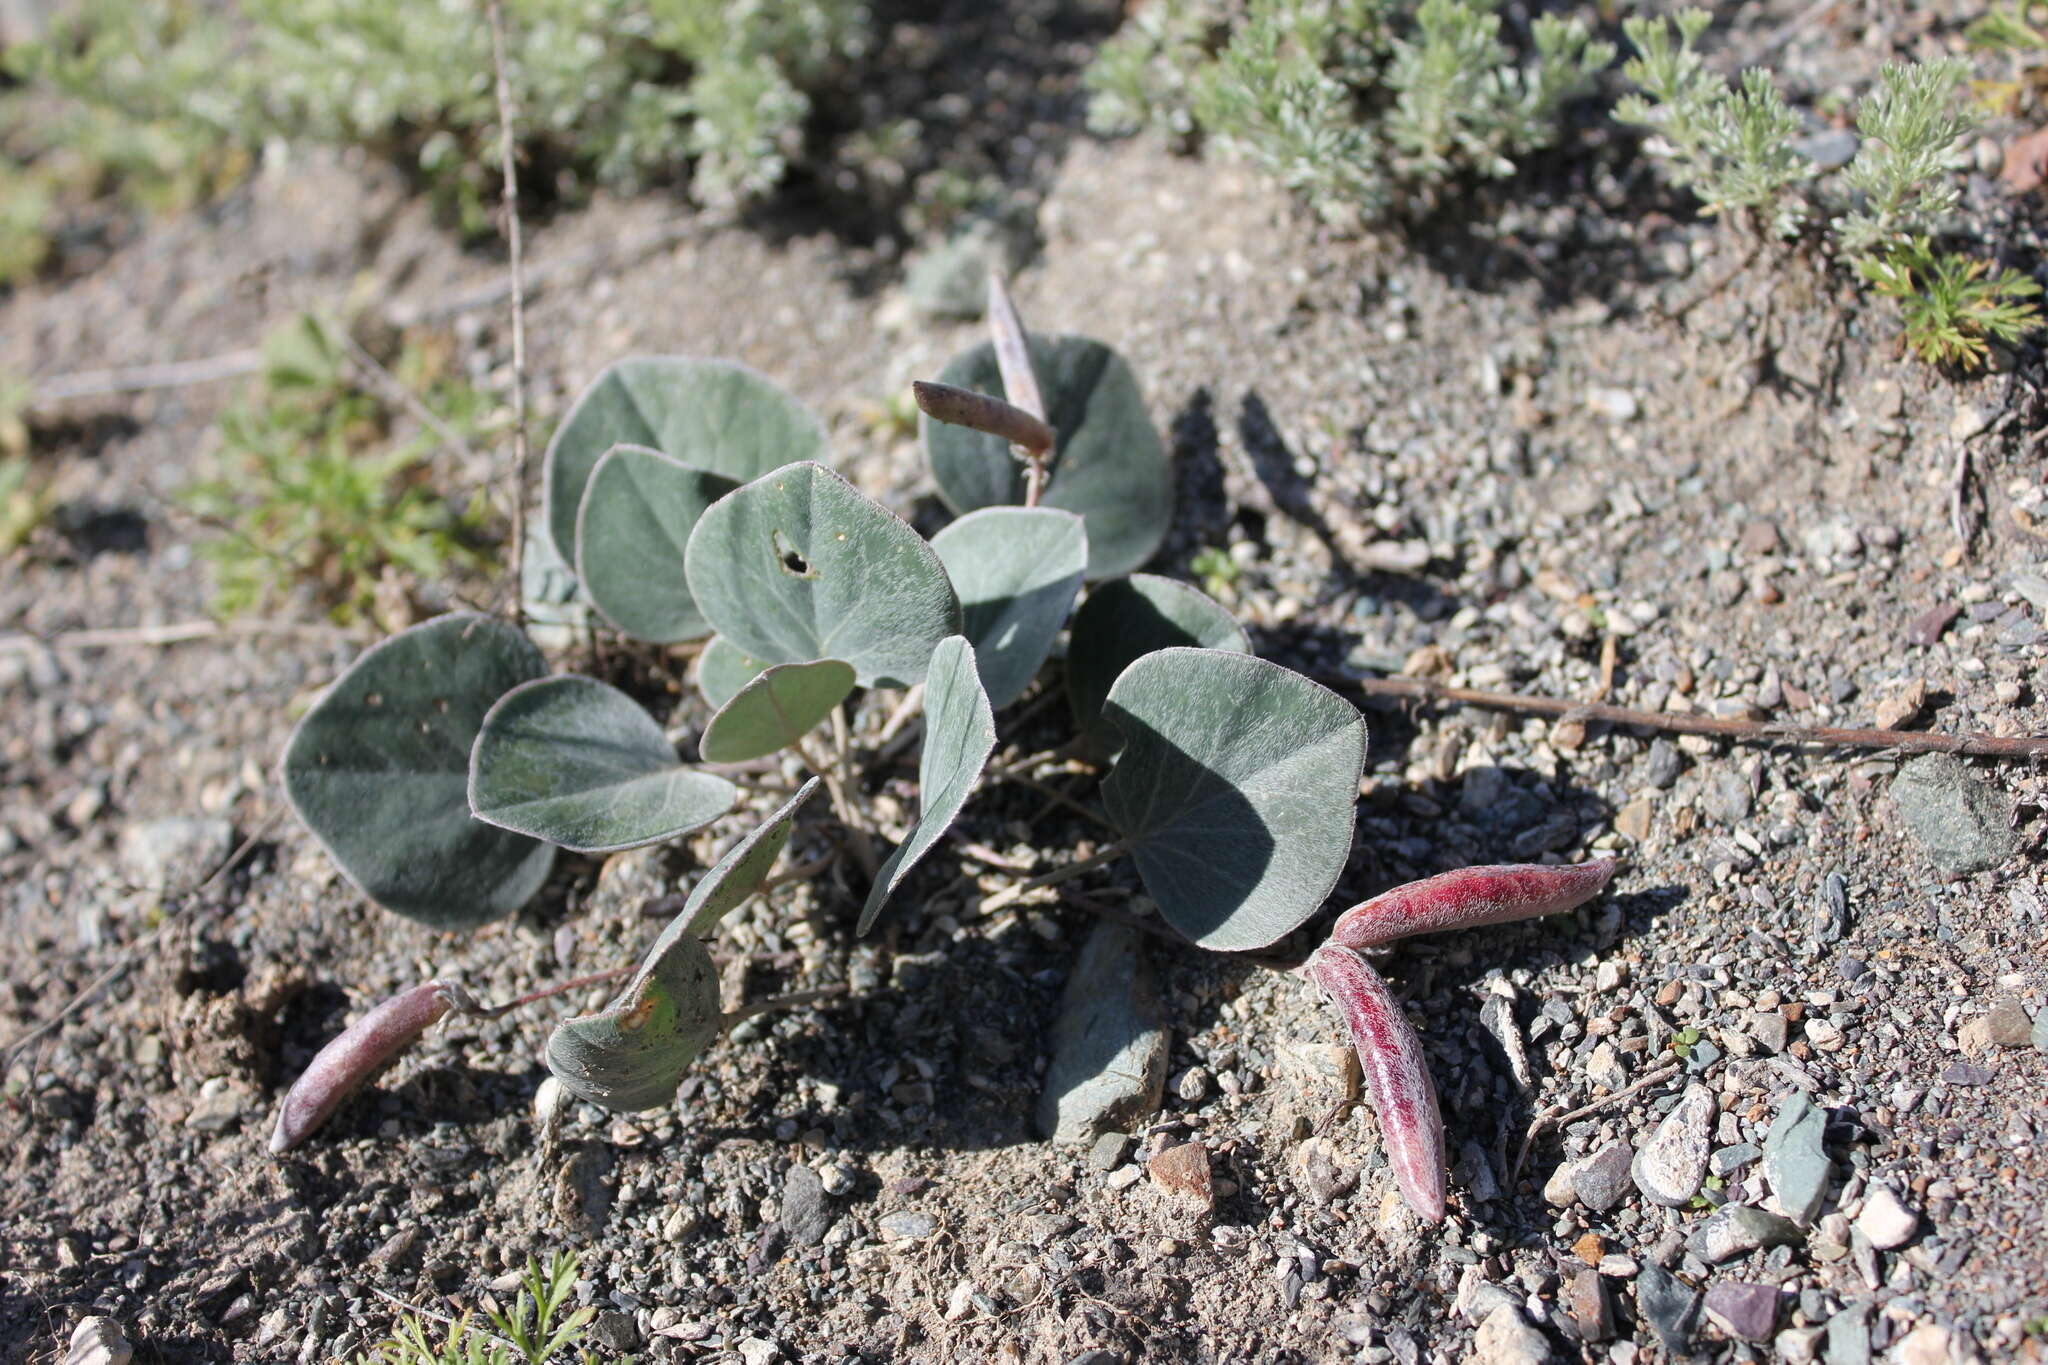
615 1331
1886 1221
1592 1306
1109 1054
1798 1345
1747 1312
1508 1338
1927 1344
1319 1166
1670 1166
906 1226
1601 1181
1795 1159
2007 1022
1963 823
583 1191
98 1341
806 1213
1109 1151
1479 1296
161 853
1738 1230
1727 797
1183 1172
1728 1160
1561 1189
1849 1336
1669 1305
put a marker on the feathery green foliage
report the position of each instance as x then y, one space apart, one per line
1363 107
531 1333
1953 307
315 489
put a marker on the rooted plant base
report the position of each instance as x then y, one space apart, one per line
1484 405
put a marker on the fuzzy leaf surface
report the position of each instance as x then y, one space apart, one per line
1017 570
576 762
739 874
1109 467
959 735
775 710
1127 618
378 770
635 519
1235 790
723 669
630 1055
797 566
711 414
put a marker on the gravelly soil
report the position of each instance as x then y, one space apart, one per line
1753 506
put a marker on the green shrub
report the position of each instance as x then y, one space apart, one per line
314 489
1732 148
1364 107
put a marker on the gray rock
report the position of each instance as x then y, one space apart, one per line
220 1106
2040 1034
1672 1163
951 279
907 1226
583 1192
1829 150
1602 1180
98 1341
1849 1336
1592 1306
806 1213
1769 1029
1727 797
1098 1356
1109 1151
1795 1159
615 1331
1747 1312
1478 1296
2007 1023
1663 764
1728 1160
1961 821
1670 1306
1739 1230
1109 1051
163 853
1508 1338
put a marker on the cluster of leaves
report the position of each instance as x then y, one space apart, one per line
531 1333
444 769
316 490
2017 30
1732 146
1366 108
163 103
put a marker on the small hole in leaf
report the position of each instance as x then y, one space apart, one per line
792 561
441 705
373 698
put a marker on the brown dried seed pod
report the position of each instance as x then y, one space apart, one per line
355 1055
983 412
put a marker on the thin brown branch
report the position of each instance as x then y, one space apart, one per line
983 412
1977 745
1549 1119
507 160
46 393
396 391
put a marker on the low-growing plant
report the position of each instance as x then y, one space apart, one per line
1732 146
1368 108
539 1325
444 769
315 487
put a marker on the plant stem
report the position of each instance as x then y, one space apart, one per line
546 992
1009 895
839 786
506 162
1976 744
778 1002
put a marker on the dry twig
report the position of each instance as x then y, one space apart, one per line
506 161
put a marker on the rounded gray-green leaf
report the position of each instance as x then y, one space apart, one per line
739 874
710 414
631 1055
959 735
637 511
1235 791
1016 570
1128 618
1109 467
576 762
378 770
775 710
723 669
798 565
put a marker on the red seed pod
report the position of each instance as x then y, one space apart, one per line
1471 896
354 1056
1395 1072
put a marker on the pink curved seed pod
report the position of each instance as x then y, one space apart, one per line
1391 1055
354 1056
1471 896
